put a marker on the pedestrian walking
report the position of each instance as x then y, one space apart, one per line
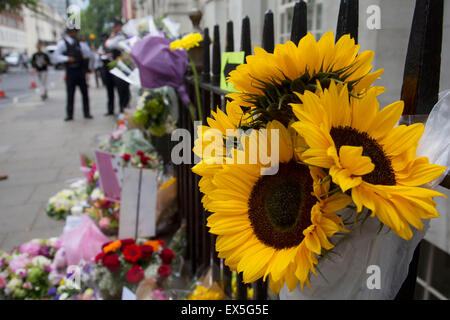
106 57
40 61
123 87
73 54
96 65
23 60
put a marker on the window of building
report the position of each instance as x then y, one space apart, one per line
286 13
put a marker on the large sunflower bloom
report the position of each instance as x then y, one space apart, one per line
366 153
272 225
210 145
267 82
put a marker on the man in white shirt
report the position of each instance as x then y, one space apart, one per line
73 54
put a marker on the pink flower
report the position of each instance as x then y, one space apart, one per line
3 282
104 222
27 285
18 263
31 248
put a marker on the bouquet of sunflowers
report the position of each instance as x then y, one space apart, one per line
302 139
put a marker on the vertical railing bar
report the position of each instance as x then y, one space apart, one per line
348 19
268 32
299 22
206 70
229 46
216 61
246 42
423 60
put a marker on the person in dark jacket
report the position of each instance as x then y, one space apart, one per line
74 53
40 61
106 57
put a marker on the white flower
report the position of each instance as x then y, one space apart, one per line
76 210
14 284
52 241
97 194
41 261
64 296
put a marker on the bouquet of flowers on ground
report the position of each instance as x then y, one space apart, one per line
104 212
24 273
77 284
59 206
142 160
154 113
127 262
89 168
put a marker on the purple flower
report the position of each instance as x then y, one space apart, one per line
3 263
22 273
48 268
45 251
51 291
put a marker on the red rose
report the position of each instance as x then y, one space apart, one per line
126 157
135 274
99 257
112 262
164 271
140 153
132 253
167 255
147 251
126 242
162 242
144 159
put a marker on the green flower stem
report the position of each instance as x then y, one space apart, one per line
197 89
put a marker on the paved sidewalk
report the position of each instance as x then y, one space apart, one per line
40 154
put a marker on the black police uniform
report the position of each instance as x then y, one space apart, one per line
76 76
108 80
123 87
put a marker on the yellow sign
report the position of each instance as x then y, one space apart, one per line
230 60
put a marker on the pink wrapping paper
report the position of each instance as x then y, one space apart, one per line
83 242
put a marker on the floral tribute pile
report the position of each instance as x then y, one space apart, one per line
25 272
302 139
125 262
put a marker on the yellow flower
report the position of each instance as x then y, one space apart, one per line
267 82
271 225
203 293
187 42
112 247
366 153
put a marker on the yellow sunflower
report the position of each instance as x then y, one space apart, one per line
272 225
210 145
365 152
267 82
187 42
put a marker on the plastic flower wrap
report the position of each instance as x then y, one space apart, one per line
24 273
127 262
311 140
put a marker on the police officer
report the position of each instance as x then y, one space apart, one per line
73 53
112 43
106 57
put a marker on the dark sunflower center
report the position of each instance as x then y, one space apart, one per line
383 173
280 206
274 103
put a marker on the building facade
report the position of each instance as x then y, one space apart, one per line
21 32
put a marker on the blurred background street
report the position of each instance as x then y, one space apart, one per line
40 153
